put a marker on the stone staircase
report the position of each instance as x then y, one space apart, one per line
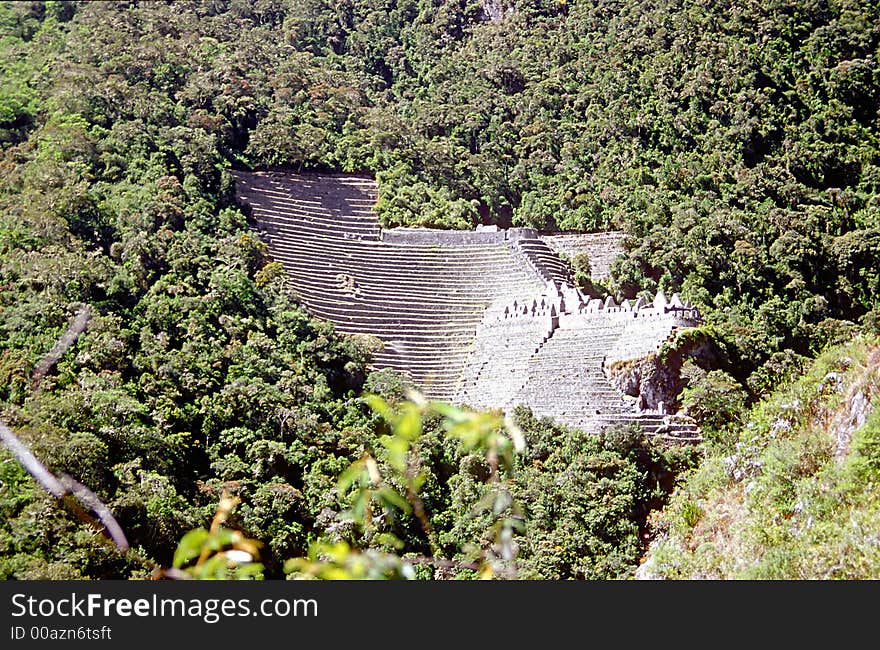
601 248
566 381
546 263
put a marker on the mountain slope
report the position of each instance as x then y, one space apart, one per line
794 493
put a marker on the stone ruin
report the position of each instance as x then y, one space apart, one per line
487 318
552 353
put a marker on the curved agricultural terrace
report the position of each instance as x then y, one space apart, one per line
488 318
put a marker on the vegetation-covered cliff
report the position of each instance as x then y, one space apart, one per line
791 494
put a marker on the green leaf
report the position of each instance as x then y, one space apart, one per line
449 411
190 546
222 538
418 481
251 570
389 539
359 507
354 473
390 497
409 424
379 406
397 448
215 567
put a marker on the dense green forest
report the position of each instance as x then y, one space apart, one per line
737 145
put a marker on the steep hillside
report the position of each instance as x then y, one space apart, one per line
735 144
793 494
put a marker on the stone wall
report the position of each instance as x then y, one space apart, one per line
648 326
439 237
431 237
602 248
508 337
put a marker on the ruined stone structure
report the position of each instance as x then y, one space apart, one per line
487 318
551 353
601 248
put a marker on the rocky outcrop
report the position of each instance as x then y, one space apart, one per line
857 405
495 10
655 385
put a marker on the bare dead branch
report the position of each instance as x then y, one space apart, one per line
86 496
66 489
77 326
34 467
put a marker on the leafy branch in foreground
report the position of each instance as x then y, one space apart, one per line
375 499
220 553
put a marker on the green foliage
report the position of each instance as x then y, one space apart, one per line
219 553
197 370
691 514
525 499
795 497
716 400
587 499
364 484
738 148
581 267
340 562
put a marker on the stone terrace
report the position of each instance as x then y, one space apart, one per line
423 300
602 248
487 318
550 353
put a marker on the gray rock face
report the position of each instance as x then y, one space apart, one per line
488 318
495 10
655 385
